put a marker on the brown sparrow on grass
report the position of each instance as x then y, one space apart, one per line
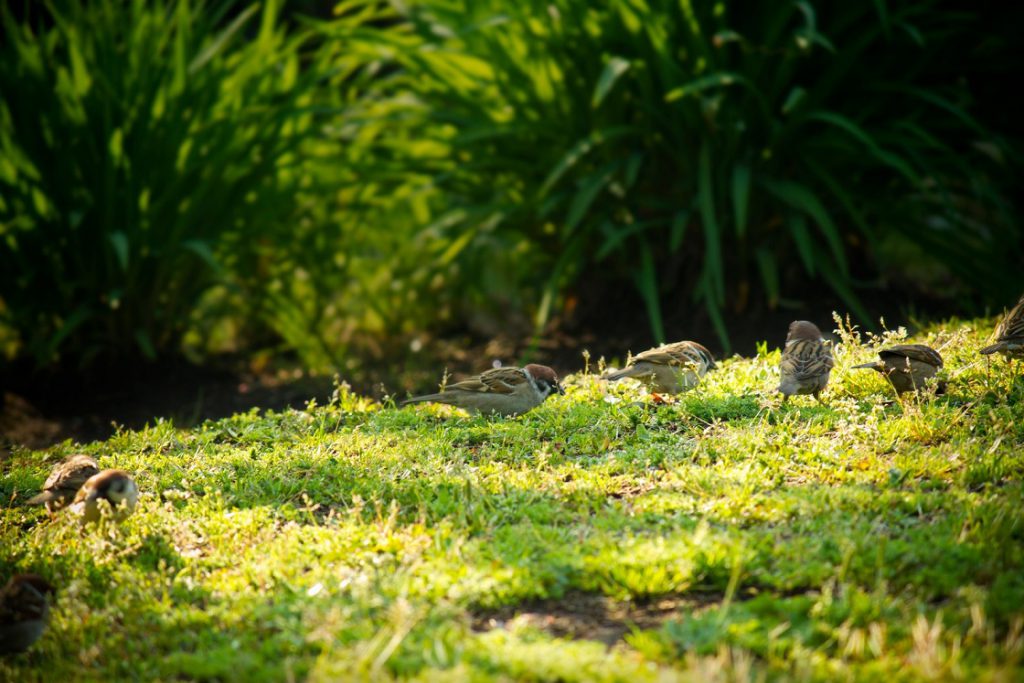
24 609
908 367
505 391
806 361
116 488
670 368
64 481
1009 334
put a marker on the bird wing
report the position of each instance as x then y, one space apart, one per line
55 476
805 359
71 476
1012 326
497 381
685 353
918 352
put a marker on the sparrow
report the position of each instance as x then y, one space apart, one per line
24 609
806 361
64 481
908 367
1009 334
116 487
670 368
505 391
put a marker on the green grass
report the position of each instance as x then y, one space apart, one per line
861 540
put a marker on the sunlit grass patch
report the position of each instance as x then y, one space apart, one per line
871 536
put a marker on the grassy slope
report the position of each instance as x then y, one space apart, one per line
853 541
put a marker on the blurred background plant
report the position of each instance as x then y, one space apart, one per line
149 151
716 156
166 179
338 181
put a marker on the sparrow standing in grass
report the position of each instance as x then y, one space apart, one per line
670 368
806 361
1009 334
24 609
64 482
908 367
505 391
115 487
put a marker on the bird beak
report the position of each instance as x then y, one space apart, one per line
559 389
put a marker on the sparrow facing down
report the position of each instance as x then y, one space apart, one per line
505 391
115 487
908 367
24 609
806 361
64 481
670 368
1009 334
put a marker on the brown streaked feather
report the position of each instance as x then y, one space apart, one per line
13 596
684 353
908 367
65 480
918 352
1012 326
24 609
806 359
499 381
504 391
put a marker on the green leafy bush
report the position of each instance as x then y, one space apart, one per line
731 153
148 150
168 167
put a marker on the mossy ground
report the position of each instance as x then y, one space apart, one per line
864 539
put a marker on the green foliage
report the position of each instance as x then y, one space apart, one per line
869 538
153 149
727 152
222 175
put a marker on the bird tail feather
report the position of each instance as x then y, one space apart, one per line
44 497
420 399
998 346
620 374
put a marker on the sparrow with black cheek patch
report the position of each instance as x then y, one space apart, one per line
1009 334
806 361
115 488
908 367
670 368
504 391
24 609
64 481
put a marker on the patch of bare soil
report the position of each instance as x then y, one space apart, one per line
21 423
40 411
589 616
